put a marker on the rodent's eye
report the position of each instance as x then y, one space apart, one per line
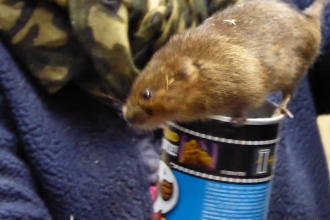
146 94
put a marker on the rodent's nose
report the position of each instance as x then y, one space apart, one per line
124 110
125 113
132 116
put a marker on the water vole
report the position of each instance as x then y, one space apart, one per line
227 65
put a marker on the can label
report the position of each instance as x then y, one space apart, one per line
205 177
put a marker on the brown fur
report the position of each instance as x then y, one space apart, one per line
228 64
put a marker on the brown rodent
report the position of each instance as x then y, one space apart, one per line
227 65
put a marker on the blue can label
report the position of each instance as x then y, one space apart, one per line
205 177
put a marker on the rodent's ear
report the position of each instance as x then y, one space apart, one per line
189 70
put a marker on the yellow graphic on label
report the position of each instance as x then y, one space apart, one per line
271 159
193 154
171 135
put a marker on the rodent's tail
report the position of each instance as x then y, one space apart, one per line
315 10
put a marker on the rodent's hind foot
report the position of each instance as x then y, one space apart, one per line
284 111
238 121
283 106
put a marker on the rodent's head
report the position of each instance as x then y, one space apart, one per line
163 92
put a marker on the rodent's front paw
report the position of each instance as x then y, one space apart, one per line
238 121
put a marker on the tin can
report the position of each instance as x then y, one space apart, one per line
213 170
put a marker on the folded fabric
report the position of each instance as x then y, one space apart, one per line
67 155
301 188
100 45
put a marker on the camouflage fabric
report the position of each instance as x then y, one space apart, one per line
101 45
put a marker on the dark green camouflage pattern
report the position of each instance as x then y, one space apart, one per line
100 45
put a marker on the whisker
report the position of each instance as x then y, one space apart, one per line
166 78
170 81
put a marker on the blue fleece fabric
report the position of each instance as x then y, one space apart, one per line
301 188
67 156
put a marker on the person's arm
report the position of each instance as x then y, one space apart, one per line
18 194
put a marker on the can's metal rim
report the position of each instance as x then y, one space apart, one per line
252 121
